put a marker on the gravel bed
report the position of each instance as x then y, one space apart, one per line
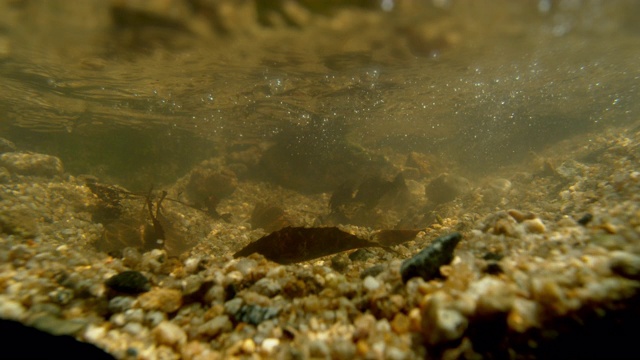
548 266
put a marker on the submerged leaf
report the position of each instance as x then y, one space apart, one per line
296 244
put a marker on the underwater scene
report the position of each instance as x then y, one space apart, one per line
319 179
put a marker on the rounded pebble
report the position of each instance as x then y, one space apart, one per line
170 334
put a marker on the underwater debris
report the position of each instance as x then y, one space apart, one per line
268 217
427 262
296 244
145 231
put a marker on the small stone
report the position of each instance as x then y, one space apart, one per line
129 282
523 315
505 227
31 164
343 349
400 324
371 284
372 271
441 323
340 262
426 264
267 287
270 344
57 326
254 314
153 318
215 326
248 346
585 219
120 304
318 349
161 299
520 216
10 309
361 255
534 226
170 334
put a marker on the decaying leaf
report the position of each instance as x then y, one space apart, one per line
296 244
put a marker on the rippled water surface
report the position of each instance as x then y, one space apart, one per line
140 91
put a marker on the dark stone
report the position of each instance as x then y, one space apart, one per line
360 255
129 282
426 264
372 271
340 262
493 268
585 219
254 314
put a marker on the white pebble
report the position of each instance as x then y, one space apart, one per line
270 344
371 284
168 333
10 309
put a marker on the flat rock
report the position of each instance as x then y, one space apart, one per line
31 164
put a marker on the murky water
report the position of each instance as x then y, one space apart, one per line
140 92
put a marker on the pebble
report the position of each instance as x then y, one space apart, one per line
371 284
267 287
31 164
254 314
10 309
343 349
372 271
585 219
215 326
57 326
161 299
270 344
129 282
426 264
120 304
441 323
170 334
534 226
521 216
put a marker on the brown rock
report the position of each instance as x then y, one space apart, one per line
161 299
